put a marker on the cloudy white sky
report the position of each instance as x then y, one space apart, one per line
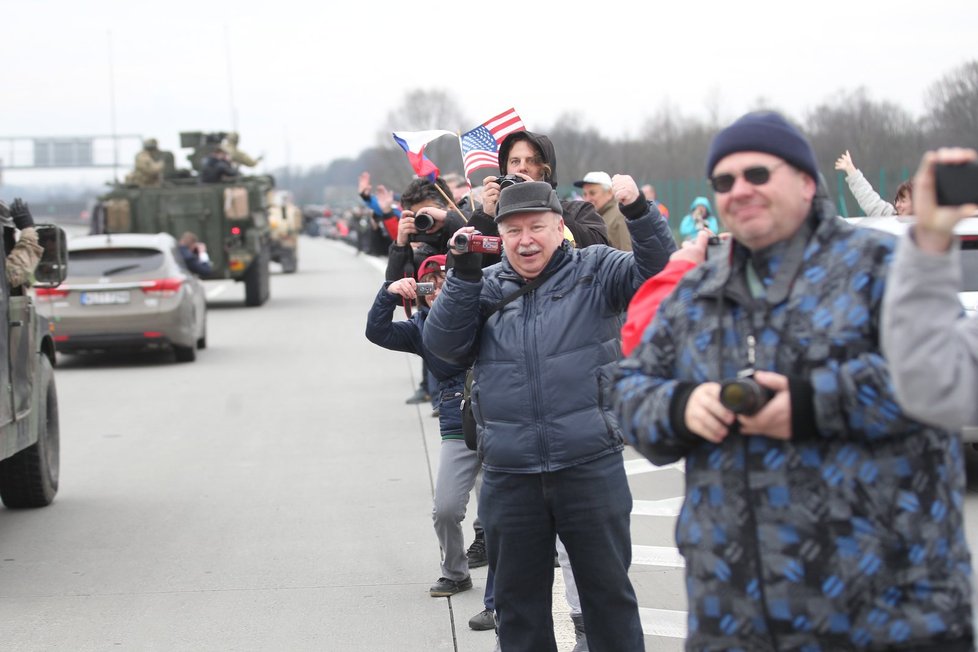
310 82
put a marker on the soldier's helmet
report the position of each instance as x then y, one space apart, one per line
233 138
150 143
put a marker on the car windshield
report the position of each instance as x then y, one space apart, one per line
969 263
108 262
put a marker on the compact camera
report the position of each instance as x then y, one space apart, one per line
508 180
479 244
424 289
423 221
744 395
713 247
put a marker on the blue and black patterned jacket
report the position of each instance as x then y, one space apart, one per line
848 536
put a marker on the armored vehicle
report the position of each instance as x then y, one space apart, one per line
29 439
230 217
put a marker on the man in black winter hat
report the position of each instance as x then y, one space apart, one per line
818 514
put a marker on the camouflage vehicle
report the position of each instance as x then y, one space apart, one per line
285 221
29 439
229 217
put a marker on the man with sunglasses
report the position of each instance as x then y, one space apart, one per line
822 517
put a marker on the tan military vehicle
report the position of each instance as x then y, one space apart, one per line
285 222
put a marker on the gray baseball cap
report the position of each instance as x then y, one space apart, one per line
527 197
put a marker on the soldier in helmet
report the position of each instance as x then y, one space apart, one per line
216 166
237 156
150 165
24 253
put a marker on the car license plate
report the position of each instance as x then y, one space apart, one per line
104 298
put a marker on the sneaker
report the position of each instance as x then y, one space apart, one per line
483 621
419 396
445 587
436 412
476 554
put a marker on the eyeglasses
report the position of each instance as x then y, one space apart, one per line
756 176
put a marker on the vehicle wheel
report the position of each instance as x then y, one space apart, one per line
202 340
290 262
30 478
257 280
185 353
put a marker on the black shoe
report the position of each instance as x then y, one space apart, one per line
483 621
419 396
445 587
476 554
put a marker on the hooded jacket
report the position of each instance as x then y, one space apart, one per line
536 396
580 217
850 534
688 228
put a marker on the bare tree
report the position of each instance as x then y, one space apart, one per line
952 104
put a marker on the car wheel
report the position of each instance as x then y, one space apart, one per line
30 478
202 340
185 353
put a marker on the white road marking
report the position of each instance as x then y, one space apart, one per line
663 556
663 622
664 507
216 290
642 465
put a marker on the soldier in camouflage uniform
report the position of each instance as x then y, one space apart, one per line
150 165
237 156
25 253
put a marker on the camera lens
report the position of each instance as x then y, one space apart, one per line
744 396
423 221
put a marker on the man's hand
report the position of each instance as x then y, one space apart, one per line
845 164
706 416
774 419
693 250
21 213
363 183
385 198
490 195
935 224
405 227
406 287
624 188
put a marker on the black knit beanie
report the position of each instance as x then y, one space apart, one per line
768 132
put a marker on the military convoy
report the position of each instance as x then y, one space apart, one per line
230 217
29 437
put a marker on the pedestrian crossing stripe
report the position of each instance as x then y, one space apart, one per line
663 622
664 507
663 556
642 465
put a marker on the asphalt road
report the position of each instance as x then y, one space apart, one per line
273 495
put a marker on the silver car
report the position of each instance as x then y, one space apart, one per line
127 291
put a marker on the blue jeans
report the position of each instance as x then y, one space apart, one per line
590 506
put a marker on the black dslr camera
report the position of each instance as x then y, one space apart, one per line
508 180
423 222
744 395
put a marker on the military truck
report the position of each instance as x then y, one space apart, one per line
285 221
29 437
229 217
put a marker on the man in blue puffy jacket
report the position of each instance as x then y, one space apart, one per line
551 448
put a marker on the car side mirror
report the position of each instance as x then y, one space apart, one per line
53 266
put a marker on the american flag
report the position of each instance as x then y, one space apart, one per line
480 147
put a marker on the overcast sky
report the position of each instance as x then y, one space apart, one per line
310 82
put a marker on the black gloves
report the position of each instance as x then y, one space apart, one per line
21 214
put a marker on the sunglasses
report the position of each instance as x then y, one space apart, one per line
756 176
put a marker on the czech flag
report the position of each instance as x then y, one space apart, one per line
413 144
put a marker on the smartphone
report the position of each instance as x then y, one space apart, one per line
713 247
957 184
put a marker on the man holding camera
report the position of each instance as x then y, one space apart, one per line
528 156
550 447
425 226
827 519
